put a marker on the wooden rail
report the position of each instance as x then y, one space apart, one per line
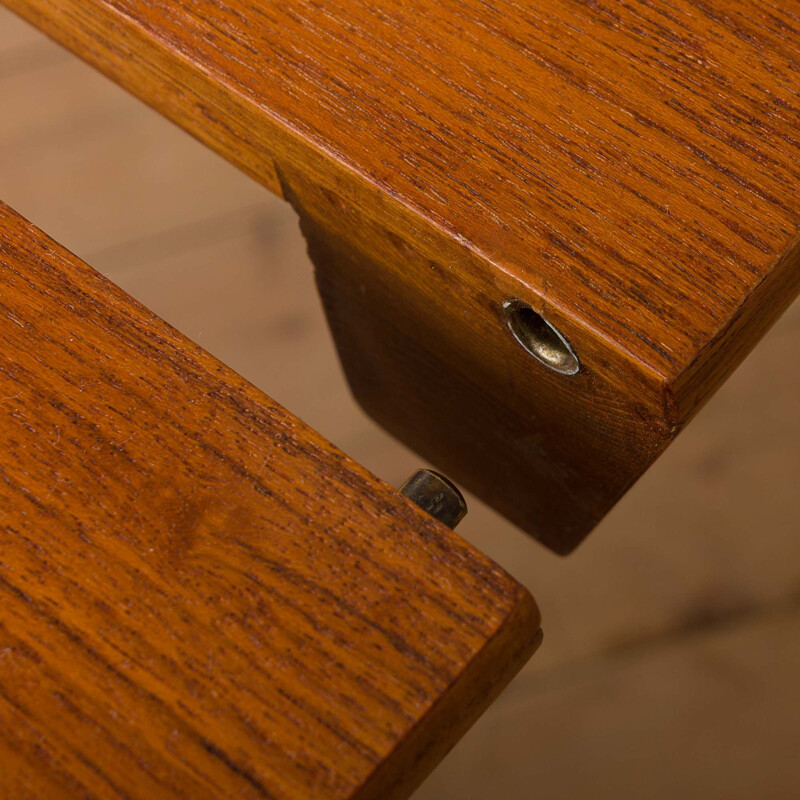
626 172
199 596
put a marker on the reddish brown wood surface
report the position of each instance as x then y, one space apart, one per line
627 168
199 596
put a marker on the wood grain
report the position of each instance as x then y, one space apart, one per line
200 596
680 548
629 169
446 378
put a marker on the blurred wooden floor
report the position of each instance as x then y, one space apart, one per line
671 661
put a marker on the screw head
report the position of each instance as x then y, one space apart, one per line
437 495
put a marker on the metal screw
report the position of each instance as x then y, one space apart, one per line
437 495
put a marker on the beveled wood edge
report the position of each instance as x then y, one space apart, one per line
690 389
446 722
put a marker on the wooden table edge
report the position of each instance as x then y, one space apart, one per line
424 748
273 139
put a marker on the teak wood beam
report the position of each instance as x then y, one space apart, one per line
199 596
612 185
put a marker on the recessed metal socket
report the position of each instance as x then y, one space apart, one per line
437 495
540 338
